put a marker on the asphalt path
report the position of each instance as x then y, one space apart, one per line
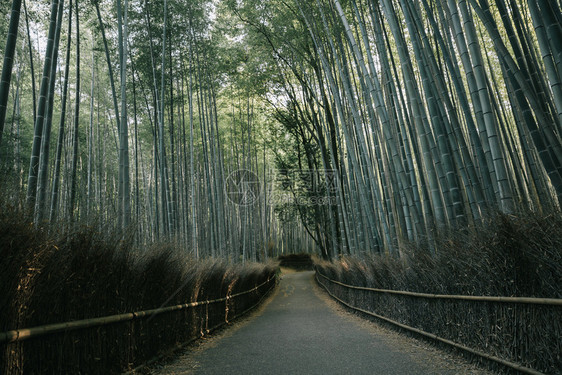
300 332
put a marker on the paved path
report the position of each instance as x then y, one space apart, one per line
300 332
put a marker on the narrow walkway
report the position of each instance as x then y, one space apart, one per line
300 332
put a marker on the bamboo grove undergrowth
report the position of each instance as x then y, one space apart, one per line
425 115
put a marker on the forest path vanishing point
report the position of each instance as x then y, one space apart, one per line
299 330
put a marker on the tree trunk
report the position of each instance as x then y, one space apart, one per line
39 121
75 140
60 143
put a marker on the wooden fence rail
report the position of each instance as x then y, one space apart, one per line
490 299
33 332
526 300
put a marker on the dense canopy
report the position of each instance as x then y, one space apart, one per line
243 128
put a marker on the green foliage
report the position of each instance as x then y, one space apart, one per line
385 93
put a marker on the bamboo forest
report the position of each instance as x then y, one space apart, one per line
393 144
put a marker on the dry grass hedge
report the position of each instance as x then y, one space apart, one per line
301 261
84 273
506 256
